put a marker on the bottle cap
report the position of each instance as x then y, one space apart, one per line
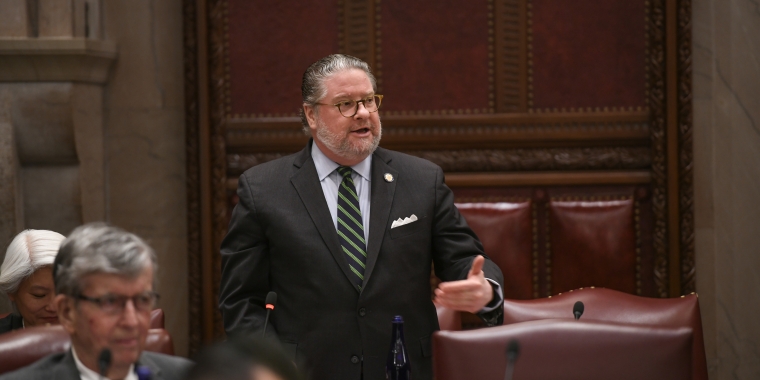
398 318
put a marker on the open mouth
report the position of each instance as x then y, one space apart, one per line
361 131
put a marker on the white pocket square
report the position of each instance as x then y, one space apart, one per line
400 222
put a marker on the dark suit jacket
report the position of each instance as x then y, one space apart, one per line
281 237
11 322
61 366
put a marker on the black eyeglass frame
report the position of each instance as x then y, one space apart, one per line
121 301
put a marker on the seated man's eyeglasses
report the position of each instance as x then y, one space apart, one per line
349 108
114 304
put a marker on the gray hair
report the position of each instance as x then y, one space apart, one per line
312 84
29 251
99 248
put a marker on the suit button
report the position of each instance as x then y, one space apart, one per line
354 359
362 312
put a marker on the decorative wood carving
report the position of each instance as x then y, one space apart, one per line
217 14
436 132
657 106
357 30
192 152
510 160
685 143
493 160
509 54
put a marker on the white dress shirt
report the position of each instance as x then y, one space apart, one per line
88 374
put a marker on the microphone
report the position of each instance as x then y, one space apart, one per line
578 310
513 351
104 361
270 301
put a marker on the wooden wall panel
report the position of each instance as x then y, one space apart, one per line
434 55
535 99
270 44
588 53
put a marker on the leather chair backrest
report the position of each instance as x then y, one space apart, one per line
449 319
156 318
614 306
565 349
506 231
23 347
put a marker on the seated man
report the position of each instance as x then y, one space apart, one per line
104 283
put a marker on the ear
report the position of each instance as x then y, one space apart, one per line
311 116
67 313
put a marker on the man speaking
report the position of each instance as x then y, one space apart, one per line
345 233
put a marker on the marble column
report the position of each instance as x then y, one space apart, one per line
145 142
726 40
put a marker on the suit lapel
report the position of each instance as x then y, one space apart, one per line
380 208
306 183
146 361
68 368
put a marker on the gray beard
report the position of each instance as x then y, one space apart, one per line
341 146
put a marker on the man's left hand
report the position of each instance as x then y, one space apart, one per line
470 295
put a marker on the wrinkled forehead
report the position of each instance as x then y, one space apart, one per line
100 283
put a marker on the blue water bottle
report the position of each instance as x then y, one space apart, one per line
397 365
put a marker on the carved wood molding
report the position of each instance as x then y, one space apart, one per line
685 143
657 106
192 152
510 160
548 179
218 91
492 160
402 132
356 31
509 51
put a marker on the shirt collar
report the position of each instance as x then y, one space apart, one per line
325 166
88 374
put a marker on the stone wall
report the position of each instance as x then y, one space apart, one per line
92 127
726 45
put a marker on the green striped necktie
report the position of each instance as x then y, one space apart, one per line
350 227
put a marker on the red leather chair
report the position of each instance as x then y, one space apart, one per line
613 306
23 347
156 318
449 319
565 349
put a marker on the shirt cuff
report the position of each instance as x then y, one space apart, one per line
498 297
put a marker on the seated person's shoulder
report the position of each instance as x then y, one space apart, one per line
172 367
48 367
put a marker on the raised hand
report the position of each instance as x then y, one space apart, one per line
469 295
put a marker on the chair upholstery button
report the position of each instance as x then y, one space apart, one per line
362 312
354 359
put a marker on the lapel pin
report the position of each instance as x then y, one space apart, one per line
388 177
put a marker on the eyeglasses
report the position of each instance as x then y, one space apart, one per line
114 304
349 108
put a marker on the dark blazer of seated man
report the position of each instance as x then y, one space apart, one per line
345 232
104 283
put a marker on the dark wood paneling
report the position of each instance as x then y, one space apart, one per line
604 118
435 55
438 132
270 45
588 53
